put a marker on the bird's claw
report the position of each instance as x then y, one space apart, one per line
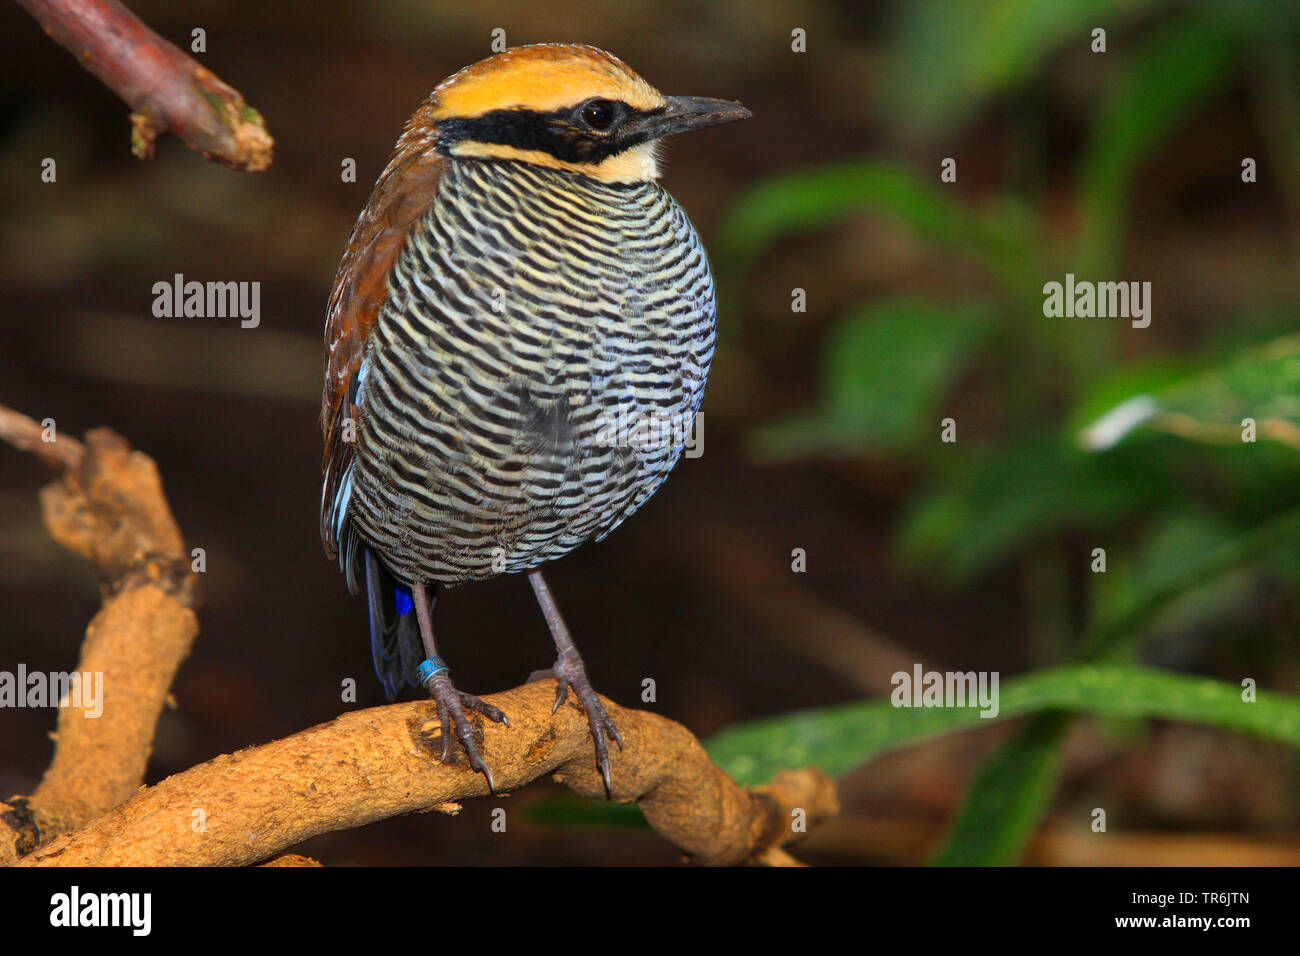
569 672
452 705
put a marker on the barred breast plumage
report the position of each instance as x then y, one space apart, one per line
539 358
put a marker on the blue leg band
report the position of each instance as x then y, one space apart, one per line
431 668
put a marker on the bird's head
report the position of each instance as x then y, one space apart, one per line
564 106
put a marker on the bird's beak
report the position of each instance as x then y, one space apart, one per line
682 113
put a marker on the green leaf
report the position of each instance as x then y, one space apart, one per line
1117 385
885 371
1014 784
1262 384
1172 548
953 55
994 504
1011 793
1170 79
824 196
1110 634
570 810
838 739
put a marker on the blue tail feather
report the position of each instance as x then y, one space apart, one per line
395 643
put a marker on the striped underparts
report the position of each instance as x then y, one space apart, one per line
533 373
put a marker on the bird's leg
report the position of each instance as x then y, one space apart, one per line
452 704
570 672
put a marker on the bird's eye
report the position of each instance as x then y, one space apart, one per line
598 114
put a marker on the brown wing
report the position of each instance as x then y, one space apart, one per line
404 191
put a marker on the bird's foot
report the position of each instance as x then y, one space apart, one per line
452 706
570 672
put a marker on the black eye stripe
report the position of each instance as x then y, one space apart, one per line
564 134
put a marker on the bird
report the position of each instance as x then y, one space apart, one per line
518 293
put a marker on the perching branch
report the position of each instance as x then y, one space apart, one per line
373 764
107 506
167 90
363 766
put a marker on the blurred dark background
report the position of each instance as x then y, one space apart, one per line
923 301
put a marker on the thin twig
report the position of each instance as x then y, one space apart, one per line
167 90
27 434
